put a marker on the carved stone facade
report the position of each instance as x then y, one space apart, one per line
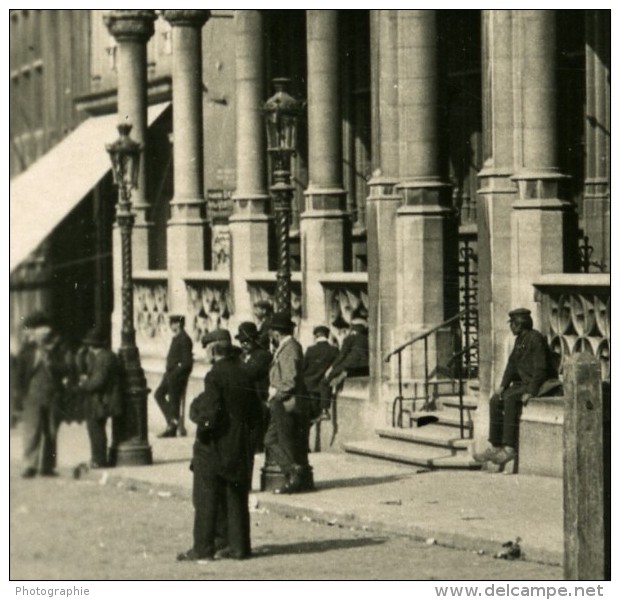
151 313
577 320
208 307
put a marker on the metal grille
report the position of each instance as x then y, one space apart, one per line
468 300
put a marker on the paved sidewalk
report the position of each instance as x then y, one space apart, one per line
473 510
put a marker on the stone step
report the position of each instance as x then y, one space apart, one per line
438 386
469 402
431 435
439 417
453 413
422 456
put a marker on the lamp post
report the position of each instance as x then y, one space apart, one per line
282 114
130 433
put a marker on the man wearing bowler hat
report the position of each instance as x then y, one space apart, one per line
263 311
179 363
318 358
530 372
103 398
256 360
41 370
286 439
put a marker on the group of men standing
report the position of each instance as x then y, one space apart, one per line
51 384
253 398
262 394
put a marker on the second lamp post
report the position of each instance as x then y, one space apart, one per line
282 113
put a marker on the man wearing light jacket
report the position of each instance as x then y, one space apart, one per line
286 439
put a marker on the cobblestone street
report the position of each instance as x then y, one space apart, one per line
66 529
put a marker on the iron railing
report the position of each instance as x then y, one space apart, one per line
462 355
429 403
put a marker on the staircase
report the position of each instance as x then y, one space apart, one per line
430 438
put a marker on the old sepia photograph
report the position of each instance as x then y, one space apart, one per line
305 294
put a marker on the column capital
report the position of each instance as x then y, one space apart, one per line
130 25
186 17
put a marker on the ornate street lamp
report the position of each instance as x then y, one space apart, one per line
282 113
130 436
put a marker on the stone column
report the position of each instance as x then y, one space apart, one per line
596 202
186 240
496 194
495 197
383 199
249 222
322 222
541 219
132 29
426 232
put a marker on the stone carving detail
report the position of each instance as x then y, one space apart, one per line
208 307
130 25
267 291
220 252
578 322
151 310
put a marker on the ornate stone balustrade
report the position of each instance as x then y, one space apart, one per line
575 313
209 303
150 290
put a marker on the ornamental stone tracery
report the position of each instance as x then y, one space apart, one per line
578 322
208 307
151 311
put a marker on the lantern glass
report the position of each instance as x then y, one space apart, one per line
125 158
282 114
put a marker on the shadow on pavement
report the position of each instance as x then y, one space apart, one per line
314 547
358 481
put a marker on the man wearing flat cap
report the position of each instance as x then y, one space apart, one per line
225 414
286 439
179 363
530 372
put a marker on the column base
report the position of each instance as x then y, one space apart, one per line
129 454
272 478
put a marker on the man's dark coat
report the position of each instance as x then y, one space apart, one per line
530 363
353 356
317 360
224 414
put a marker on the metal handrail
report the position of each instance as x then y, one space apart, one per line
426 333
398 351
460 378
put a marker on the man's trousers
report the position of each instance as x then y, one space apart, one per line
98 440
287 438
169 394
221 509
39 430
505 412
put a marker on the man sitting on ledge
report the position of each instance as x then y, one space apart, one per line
530 372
